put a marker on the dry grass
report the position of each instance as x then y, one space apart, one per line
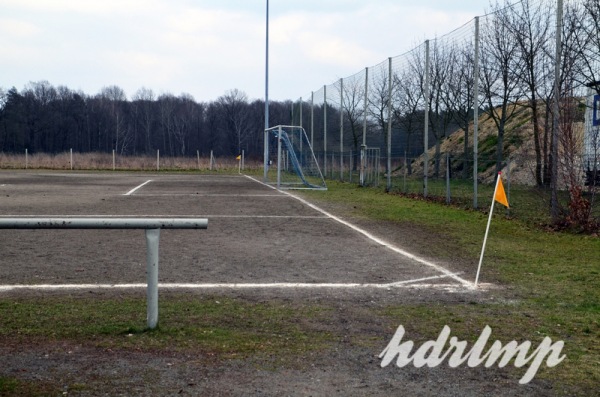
104 161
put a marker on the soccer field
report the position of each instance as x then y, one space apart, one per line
257 237
282 294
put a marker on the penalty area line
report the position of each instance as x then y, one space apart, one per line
373 238
416 283
129 193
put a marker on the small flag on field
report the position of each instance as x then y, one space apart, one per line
499 196
239 157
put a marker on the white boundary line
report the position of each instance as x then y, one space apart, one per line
375 239
174 216
415 283
129 193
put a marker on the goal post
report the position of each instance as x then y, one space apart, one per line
290 161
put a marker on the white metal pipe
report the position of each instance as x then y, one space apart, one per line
151 226
152 241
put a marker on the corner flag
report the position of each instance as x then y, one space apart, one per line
239 157
499 196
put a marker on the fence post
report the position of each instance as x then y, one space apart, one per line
243 160
157 159
341 129
152 241
71 158
26 159
447 178
279 158
475 112
389 127
114 162
198 157
426 122
325 131
364 134
312 118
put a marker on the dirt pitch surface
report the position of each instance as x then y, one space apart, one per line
261 245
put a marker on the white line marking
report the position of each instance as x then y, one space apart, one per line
374 238
400 284
210 195
173 216
137 187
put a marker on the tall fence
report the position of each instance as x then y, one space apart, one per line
507 91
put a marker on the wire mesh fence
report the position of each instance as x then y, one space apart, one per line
515 90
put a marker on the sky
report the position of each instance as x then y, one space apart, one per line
208 47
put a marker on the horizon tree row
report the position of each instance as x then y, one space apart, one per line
44 118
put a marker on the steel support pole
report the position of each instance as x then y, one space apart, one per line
152 241
266 137
426 122
389 129
363 147
341 129
279 158
325 130
476 113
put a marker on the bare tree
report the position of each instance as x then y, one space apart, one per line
499 61
408 100
354 92
143 101
234 105
458 94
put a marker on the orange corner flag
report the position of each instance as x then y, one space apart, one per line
500 193
239 157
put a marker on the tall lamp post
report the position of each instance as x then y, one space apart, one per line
266 137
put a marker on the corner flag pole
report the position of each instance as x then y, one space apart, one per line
501 199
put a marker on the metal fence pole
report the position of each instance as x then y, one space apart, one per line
426 122
114 162
364 134
341 129
389 129
475 112
198 158
152 241
71 158
279 158
157 159
312 118
325 130
447 178
26 159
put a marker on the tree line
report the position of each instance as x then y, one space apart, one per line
44 118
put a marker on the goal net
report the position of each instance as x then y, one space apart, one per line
290 162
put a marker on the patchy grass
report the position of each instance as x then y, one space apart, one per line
221 326
549 288
555 277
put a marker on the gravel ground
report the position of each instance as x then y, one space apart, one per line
255 235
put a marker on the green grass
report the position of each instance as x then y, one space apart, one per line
217 325
554 276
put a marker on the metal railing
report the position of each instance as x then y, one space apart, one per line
152 227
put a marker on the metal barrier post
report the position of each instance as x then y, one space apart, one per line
152 240
151 226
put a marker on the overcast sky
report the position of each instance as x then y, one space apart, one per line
207 47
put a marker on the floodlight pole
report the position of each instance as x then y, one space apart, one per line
266 149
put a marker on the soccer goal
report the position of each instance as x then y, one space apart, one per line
290 162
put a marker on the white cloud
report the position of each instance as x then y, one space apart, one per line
207 47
